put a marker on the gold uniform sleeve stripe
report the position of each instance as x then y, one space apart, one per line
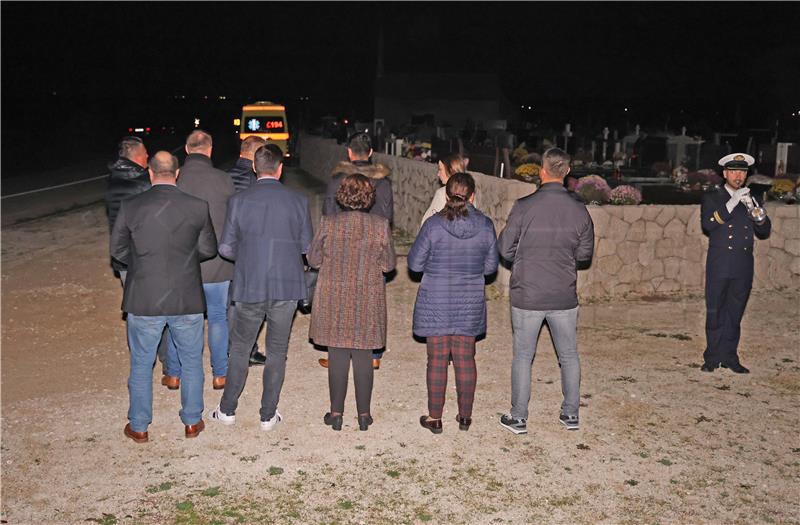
719 219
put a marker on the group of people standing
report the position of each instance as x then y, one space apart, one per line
239 246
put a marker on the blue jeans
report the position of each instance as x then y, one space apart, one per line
144 332
563 329
217 312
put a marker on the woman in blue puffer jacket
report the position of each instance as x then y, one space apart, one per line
455 249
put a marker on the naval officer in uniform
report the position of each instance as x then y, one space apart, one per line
732 219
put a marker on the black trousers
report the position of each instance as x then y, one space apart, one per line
338 372
726 300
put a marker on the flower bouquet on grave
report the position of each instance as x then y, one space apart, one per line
519 153
528 172
625 195
783 190
704 179
594 189
680 176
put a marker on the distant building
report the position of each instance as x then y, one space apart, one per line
451 98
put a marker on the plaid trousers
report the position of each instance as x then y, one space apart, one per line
462 348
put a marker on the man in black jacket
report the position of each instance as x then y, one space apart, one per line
161 236
127 177
242 172
548 236
244 176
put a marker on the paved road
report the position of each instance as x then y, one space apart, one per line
41 202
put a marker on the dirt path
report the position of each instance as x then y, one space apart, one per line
660 441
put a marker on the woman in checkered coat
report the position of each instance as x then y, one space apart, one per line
455 249
352 250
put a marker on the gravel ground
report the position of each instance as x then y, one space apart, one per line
660 442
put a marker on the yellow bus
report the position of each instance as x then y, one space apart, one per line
266 120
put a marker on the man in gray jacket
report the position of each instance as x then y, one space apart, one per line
548 236
199 178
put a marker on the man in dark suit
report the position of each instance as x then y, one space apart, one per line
267 230
162 235
243 176
201 179
731 228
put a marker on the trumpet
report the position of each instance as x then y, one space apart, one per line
754 210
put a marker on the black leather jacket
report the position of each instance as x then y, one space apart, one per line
126 179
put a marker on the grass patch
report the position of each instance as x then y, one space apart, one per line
211 492
248 459
152 489
275 471
665 461
346 504
393 474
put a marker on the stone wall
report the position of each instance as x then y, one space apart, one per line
639 250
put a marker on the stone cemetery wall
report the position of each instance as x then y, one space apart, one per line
639 250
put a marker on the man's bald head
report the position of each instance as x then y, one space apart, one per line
163 168
199 141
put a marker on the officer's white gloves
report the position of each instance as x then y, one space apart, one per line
737 197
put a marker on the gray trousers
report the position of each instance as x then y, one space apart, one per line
244 323
563 328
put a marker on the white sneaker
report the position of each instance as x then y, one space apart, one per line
266 426
222 417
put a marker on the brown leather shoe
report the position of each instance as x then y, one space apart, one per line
138 437
171 382
219 382
434 425
192 431
376 364
323 363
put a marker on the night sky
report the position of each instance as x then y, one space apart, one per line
90 67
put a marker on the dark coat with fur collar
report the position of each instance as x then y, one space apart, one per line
377 174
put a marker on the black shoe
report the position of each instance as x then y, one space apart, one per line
434 425
364 422
257 358
304 306
708 368
463 422
736 368
334 421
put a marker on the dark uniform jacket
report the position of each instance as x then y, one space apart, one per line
242 174
199 178
730 236
126 179
547 234
376 173
162 235
267 230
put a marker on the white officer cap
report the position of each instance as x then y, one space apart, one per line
737 161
